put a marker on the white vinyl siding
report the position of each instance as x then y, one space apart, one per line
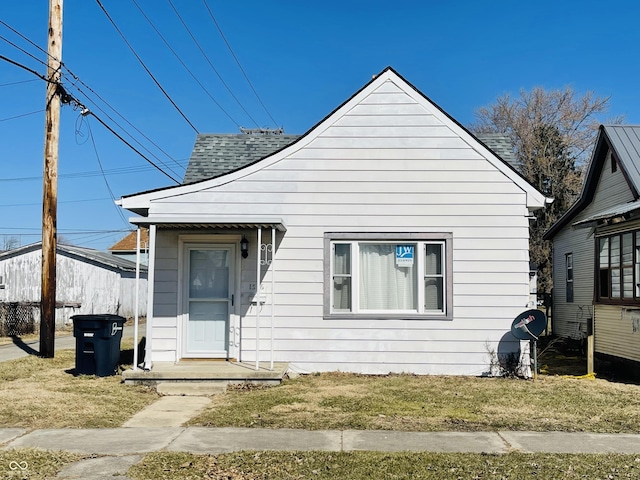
383 166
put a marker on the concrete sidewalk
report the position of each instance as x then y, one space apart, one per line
130 441
117 449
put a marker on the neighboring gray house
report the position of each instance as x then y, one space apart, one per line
387 238
87 281
596 249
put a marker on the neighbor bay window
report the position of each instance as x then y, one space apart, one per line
618 267
388 275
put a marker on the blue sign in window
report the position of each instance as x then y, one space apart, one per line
404 255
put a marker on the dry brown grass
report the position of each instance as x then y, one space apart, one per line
43 393
253 465
426 403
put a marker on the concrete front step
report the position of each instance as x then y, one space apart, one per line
197 389
206 371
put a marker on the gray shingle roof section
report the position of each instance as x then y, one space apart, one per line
501 146
625 140
216 154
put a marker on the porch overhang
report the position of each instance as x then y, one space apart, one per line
208 221
617 214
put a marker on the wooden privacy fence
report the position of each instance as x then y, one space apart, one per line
18 318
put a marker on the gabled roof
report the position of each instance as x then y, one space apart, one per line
215 154
87 254
140 202
624 141
128 243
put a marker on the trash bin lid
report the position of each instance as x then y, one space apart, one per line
102 317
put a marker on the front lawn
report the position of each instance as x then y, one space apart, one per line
430 403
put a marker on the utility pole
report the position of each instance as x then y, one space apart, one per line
50 181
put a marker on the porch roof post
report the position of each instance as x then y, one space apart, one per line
257 296
273 284
136 315
150 299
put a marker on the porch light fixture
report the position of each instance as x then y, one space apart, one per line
244 247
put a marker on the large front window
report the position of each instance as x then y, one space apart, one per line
399 276
618 266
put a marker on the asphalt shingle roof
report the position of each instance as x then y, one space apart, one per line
501 145
216 154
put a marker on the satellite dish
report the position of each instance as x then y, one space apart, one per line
529 325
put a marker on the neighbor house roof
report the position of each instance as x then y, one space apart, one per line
624 141
215 154
128 243
88 254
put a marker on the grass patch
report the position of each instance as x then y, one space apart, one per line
43 393
368 465
31 463
430 403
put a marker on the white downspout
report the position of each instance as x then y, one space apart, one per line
273 284
150 300
257 297
136 315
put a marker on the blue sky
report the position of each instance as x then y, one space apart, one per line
303 58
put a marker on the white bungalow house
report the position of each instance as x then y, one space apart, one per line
596 250
387 238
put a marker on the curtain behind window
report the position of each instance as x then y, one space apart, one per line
384 285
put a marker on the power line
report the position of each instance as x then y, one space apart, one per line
126 120
237 61
16 83
23 50
131 136
66 201
20 116
184 65
93 142
211 64
13 62
68 99
130 146
26 38
113 171
145 67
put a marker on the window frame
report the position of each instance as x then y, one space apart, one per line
631 266
445 239
568 263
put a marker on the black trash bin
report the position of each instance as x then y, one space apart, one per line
97 343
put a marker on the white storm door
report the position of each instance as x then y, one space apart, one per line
209 300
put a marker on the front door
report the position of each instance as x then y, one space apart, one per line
208 300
